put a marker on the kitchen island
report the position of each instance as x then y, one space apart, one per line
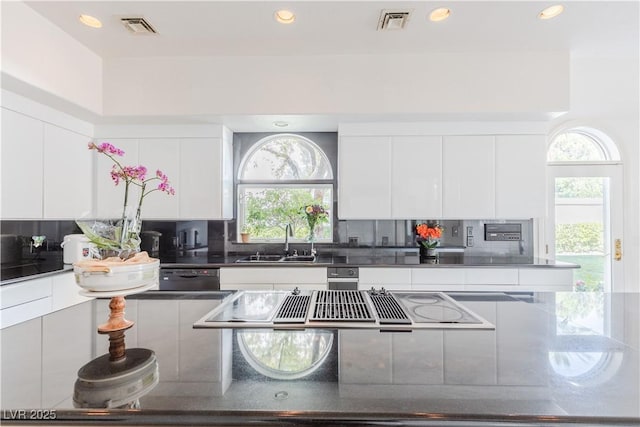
552 358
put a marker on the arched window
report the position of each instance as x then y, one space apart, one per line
582 145
277 178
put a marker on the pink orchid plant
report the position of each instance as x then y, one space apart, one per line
124 236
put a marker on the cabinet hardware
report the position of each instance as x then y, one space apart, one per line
618 250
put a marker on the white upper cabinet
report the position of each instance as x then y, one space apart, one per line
110 197
22 163
520 176
160 154
384 177
201 182
416 177
198 162
364 177
68 171
468 177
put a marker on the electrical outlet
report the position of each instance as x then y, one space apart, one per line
469 231
454 231
469 241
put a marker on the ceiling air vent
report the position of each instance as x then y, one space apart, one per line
393 19
138 25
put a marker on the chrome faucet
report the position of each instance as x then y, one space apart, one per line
288 232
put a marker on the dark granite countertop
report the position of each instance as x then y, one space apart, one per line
553 359
54 265
380 259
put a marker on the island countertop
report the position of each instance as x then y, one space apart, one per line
552 358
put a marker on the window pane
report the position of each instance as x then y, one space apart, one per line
286 157
581 213
573 146
265 211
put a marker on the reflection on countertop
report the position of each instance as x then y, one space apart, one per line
556 357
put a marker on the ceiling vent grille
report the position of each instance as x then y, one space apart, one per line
393 20
138 26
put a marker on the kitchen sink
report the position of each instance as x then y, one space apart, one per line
258 258
299 258
261 258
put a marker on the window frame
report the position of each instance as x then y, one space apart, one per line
246 144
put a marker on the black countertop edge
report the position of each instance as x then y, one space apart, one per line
65 269
409 261
137 417
443 261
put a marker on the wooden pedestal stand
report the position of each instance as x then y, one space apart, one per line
117 379
115 327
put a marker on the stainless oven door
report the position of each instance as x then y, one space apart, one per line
189 279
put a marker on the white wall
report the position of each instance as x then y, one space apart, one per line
466 82
605 94
38 53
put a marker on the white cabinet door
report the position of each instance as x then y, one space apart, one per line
22 161
110 197
364 177
546 279
416 177
68 166
160 154
300 286
389 278
24 301
520 176
65 292
468 177
200 190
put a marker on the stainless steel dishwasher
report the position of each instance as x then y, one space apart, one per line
189 279
342 278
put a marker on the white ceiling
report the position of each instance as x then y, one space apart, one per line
196 28
337 27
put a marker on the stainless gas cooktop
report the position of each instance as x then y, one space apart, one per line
338 309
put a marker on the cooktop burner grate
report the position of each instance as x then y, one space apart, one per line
341 306
389 310
293 310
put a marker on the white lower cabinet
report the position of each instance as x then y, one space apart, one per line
491 279
389 278
65 292
471 354
403 279
438 279
24 301
521 336
547 279
21 350
270 278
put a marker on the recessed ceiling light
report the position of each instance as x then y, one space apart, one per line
439 14
280 124
284 16
551 11
90 21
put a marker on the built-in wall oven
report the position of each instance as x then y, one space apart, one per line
189 279
343 278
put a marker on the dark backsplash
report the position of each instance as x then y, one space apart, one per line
180 240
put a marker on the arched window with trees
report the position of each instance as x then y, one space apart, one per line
277 178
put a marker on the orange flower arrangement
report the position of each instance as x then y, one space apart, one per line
428 235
